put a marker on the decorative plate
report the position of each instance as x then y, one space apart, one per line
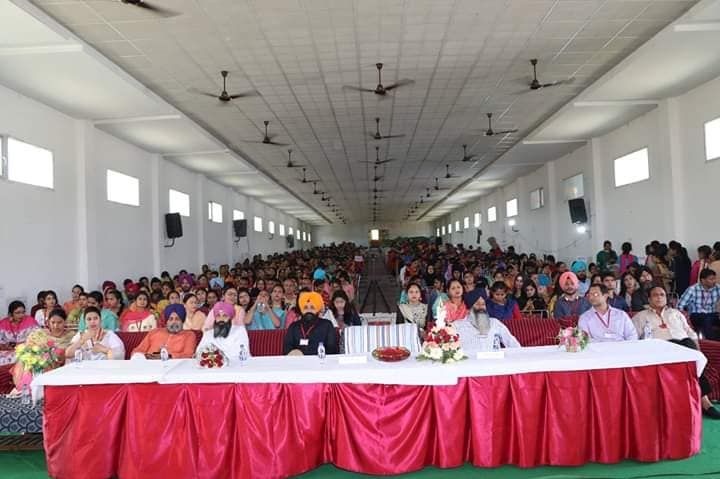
391 353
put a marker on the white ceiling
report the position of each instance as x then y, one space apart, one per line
467 57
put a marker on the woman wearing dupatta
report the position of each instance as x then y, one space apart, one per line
454 308
138 317
414 310
15 328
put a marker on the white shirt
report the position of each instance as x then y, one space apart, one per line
110 340
472 341
230 345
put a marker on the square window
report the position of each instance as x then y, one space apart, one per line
712 139
466 222
123 189
437 232
492 214
304 235
257 224
281 229
537 198
477 220
511 208
215 212
178 202
632 168
271 227
573 187
29 164
309 237
238 215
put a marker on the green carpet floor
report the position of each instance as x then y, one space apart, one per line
31 465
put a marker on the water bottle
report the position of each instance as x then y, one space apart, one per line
164 355
77 359
321 352
25 397
496 343
243 355
647 332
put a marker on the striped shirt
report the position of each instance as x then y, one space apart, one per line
697 299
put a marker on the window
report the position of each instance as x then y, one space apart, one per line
449 228
304 236
123 189
215 212
309 237
374 235
281 229
257 224
297 234
290 230
29 164
442 230
238 215
712 139
477 220
466 222
632 168
437 231
271 227
573 187
492 214
457 225
537 198
179 203
511 208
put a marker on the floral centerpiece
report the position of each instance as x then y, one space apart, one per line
573 338
442 344
211 357
39 353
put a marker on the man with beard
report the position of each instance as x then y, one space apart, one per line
580 270
304 335
179 343
570 303
228 337
478 330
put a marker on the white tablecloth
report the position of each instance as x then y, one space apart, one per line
285 369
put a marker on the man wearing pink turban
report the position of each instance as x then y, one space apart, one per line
570 303
227 336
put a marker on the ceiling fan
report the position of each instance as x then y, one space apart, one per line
449 175
378 136
536 85
380 89
304 179
491 132
224 96
467 157
375 190
428 192
315 190
376 178
437 186
378 161
151 7
268 139
290 163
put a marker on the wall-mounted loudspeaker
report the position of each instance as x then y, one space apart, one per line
578 214
173 225
290 241
438 241
479 235
240 227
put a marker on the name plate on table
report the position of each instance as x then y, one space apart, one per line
352 360
491 354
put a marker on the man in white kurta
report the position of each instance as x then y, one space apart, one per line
477 331
228 337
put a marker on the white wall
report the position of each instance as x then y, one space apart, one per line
360 232
72 234
676 202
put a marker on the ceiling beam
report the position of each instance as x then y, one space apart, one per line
41 49
699 26
553 142
136 119
196 153
618 103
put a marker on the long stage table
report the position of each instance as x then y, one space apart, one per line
281 416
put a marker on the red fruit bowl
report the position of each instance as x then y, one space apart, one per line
391 354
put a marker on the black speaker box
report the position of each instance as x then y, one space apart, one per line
173 225
240 227
578 214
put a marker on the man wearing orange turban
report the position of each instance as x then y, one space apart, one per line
304 336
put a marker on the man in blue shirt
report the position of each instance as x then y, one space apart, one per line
570 303
614 300
701 301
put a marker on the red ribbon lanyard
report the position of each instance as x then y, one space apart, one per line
606 324
303 333
662 321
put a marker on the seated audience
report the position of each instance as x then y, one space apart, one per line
304 335
195 319
225 334
604 323
580 270
630 290
96 342
75 293
499 305
414 310
530 300
453 308
617 301
570 303
138 316
341 312
477 330
15 327
50 302
267 312
109 320
179 343
701 301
